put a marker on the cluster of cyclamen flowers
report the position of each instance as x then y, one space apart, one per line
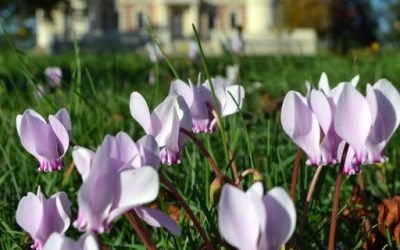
325 120
121 175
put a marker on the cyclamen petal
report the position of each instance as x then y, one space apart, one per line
241 230
60 242
164 124
113 186
234 100
156 218
280 211
136 187
63 116
41 217
140 111
301 125
53 75
247 220
199 99
324 110
83 158
324 83
384 101
47 142
353 120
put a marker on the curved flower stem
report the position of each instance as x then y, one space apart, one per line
196 222
309 198
248 171
228 148
200 145
336 199
140 229
295 173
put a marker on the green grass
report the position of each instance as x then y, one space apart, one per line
96 91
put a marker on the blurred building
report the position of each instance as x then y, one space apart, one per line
124 22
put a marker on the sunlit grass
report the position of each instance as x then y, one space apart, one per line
96 89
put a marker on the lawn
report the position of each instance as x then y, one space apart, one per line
95 90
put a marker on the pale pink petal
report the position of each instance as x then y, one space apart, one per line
156 218
83 158
61 133
140 111
234 100
38 138
353 119
281 217
301 125
89 242
126 148
30 213
383 100
322 109
149 152
180 88
237 218
137 187
58 241
63 116
355 81
323 83
162 119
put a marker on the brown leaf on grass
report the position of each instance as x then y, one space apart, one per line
174 212
389 217
268 103
355 210
116 117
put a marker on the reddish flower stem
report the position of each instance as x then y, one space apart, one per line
140 229
205 152
196 222
308 199
295 173
367 223
336 199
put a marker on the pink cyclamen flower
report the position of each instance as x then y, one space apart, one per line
41 217
163 123
53 76
367 123
58 241
323 123
309 121
112 187
144 152
250 221
200 101
47 142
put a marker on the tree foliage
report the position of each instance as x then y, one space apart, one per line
27 8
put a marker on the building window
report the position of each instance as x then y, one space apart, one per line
177 24
233 20
211 21
140 19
